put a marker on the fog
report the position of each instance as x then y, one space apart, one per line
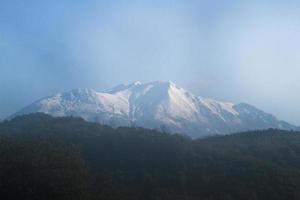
237 51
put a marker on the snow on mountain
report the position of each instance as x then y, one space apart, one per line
160 105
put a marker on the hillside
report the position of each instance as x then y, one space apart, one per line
68 158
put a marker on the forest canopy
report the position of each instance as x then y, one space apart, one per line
42 157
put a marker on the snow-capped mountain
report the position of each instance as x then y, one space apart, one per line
160 105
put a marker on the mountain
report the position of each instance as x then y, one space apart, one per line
158 105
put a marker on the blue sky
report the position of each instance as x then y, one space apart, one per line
239 51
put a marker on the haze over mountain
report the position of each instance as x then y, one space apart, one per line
158 105
242 51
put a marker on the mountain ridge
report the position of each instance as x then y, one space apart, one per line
158 105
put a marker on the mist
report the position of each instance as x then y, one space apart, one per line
234 51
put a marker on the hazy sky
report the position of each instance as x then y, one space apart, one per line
239 51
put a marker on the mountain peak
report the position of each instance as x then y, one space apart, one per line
157 105
164 82
82 91
136 83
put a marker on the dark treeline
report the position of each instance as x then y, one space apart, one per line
43 158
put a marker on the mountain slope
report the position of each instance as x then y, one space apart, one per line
161 105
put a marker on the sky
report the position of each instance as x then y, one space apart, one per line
237 51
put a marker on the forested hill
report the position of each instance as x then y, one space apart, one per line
42 157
